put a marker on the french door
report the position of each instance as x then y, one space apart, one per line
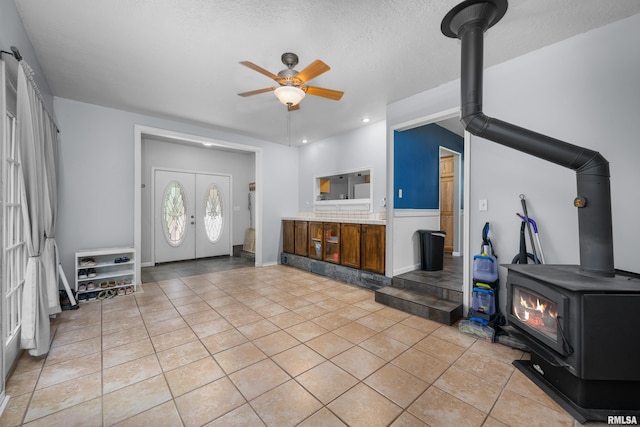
192 215
13 257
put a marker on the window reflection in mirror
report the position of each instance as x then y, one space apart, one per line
344 186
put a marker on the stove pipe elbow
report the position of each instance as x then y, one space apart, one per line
468 21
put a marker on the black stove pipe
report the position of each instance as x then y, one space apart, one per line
468 21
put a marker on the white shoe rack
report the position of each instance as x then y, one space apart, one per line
112 272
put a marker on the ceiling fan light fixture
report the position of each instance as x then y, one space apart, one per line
289 95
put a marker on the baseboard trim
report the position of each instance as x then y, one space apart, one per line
407 269
5 401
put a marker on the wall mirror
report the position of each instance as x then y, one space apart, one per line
347 188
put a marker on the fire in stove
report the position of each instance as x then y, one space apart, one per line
537 312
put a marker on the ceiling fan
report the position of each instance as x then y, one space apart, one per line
293 84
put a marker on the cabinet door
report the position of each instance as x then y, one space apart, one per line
372 248
350 246
300 238
288 242
315 240
332 242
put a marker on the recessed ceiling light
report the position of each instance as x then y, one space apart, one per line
304 141
366 120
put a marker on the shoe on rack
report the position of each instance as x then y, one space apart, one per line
92 296
87 262
91 272
91 286
82 274
82 297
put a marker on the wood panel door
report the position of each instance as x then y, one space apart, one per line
350 250
446 201
372 248
301 236
288 232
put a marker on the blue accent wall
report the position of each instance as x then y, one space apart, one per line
417 165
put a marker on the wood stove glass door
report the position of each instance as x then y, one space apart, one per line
536 311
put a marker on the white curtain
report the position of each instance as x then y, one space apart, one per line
50 259
36 131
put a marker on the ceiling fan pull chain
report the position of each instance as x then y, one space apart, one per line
289 125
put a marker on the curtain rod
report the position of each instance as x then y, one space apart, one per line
14 52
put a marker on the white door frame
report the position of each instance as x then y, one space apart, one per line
153 204
140 131
466 239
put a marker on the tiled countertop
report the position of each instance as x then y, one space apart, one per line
343 220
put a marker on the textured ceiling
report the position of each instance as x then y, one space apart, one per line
179 58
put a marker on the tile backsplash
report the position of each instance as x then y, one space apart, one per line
345 215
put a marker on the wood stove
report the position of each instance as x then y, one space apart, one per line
579 321
583 335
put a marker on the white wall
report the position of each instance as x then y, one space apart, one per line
406 241
240 165
362 148
96 194
584 90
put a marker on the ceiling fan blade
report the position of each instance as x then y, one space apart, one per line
313 70
325 93
256 92
293 107
260 70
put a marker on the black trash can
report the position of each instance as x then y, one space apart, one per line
432 249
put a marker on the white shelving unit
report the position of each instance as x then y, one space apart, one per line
109 274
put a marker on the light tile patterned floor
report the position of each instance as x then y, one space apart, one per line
271 346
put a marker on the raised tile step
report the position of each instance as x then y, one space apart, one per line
419 304
435 283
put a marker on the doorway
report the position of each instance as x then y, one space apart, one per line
450 206
191 215
189 140
446 201
402 254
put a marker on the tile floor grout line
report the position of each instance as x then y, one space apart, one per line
287 287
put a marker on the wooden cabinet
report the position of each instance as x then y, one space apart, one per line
324 241
350 245
325 186
288 236
316 240
372 248
300 237
354 245
332 242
